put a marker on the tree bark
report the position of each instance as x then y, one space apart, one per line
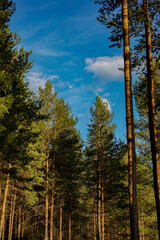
4 202
70 224
95 225
11 219
22 224
19 224
130 128
51 217
60 223
102 212
46 202
151 108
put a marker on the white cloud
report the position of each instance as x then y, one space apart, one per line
106 68
106 101
37 79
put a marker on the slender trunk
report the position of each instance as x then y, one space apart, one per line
60 224
52 196
108 227
46 202
102 212
95 229
3 231
151 107
19 224
51 217
130 128
99 206
4 203
70 224
22 224
11 219
99 186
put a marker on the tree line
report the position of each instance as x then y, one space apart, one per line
53 184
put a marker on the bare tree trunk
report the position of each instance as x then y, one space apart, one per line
60 223
130 128
3 233
4 202
46 203
19 224
99 205
151 107
52 197
95 225
70 225
51 217
22 224
102 212
11 219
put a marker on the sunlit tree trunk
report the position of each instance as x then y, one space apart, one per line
60 223
130 127
4 202
51 217
70 224
11 219
19 223
46 202
52 196
102 212
99 205
22 224
99 186
151 107
95 217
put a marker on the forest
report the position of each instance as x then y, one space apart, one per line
53 184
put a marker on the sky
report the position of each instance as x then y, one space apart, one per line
71 49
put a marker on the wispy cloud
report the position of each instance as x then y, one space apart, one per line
37 79
106 68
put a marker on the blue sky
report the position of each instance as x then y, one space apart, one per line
71 49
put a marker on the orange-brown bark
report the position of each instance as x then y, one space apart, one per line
151 107
130 127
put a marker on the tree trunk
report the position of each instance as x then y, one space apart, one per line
102 212
70 224
4 202
99 185
52 197
95 225
19 224
22 224
3 231
11 219
99 205
51 217
151 107
60 224
108 223
46 202
130 128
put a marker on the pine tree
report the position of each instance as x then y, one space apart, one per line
114 14
102 153
19 109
